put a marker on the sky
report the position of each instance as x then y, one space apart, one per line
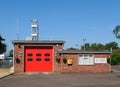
68 20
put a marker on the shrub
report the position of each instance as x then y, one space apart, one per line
115 59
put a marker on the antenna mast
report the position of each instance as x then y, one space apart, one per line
17 30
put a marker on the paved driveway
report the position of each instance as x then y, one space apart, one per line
115 68
61 80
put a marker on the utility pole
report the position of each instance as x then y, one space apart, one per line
84 44
77 46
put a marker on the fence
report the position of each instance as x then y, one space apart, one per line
6 63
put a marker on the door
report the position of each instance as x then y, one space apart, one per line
38 59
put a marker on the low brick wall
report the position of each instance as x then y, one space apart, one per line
95 68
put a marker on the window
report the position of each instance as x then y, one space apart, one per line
38 59
38 54
47 54
29 54
47 59
85 59
29 59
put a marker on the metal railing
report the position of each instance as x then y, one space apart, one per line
6 63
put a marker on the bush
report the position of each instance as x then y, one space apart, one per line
115 59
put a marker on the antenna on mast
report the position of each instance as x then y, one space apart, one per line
17 30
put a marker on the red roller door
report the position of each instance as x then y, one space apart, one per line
38 59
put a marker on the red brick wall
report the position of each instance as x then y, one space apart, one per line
18 59
56 66
19 48
61 67
102 67
64 68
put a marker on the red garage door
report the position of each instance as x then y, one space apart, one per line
38 59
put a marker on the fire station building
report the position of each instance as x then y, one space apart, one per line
49 56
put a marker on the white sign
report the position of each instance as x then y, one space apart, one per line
100 60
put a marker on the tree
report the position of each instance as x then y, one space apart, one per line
100 47
11 53
93 47
71 48
116 31
86 46
112 45
2 45
115 59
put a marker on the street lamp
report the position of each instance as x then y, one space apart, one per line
84 44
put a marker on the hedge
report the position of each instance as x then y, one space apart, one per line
115 59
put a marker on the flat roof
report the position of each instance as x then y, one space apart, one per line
80 52
39 41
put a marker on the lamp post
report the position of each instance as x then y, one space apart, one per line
84 44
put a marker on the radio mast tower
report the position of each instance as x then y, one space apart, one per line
34 29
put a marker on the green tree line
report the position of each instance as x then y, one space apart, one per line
99 46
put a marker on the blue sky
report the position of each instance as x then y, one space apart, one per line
69 20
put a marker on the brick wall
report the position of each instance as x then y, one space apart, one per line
60 66
64 68
56 66
19 60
